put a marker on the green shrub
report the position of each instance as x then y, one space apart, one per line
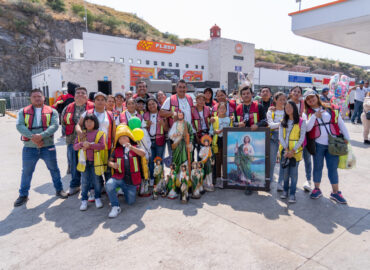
29 8
136 28
111 22
20 25
187 41
311 58
76 9
56 5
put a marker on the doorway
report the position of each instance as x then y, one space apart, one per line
105 87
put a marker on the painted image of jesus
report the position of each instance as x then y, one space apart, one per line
244 156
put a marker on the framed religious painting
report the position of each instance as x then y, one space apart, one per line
246 158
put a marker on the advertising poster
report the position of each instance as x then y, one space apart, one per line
137 73
168 74
193 76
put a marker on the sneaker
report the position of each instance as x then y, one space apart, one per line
366 142
91 196
292 199
316 193
20 201
98 203
338 197
73 190
307 186
284 195
114 212
62 194
83 206
279 187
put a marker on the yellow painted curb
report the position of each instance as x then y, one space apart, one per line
11 114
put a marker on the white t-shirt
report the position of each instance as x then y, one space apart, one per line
360 94
153 126
183 106
103 120
202 120
352 97
274 123
38 117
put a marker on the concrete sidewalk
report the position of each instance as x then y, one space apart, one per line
222 230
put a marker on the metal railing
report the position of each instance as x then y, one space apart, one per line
47 63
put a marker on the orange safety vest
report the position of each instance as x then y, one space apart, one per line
334 127
69 114
174 106
29 113
195 115
252 111
159 134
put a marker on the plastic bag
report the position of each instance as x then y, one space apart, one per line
347 161
82 157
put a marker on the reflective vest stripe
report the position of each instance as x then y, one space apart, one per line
255 118
238 118
196 124
336 116
161 129
136 167
68 119
48 118
27 120
119 162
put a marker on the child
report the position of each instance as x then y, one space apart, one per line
292 134
220 122
125 161
90 156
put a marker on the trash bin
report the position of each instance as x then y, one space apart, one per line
2 106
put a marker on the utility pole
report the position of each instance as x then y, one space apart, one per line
300 3
87 30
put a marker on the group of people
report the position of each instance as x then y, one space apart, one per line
106 154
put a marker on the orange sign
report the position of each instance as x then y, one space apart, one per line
138 73
193 76
238 48
152 46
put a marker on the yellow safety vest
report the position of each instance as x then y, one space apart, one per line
293 139
100 156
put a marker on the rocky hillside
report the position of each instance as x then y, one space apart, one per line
31 30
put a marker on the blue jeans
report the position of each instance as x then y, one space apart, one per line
73 160
307 163
90 179
274 148
357 111
157 151
331 163
129 191
292 174
30 156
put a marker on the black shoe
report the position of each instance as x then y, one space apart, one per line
62 194
74 190
20 201
366 142
248 192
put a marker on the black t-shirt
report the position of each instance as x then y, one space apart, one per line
266 105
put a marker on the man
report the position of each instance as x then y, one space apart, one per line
360 93
266 99
70 116
118 109
141 91
161 97
250 114
324 97
179 101
37 124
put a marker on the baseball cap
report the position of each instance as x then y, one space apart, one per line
325 90
139 99
361 82
100 94
119 94
309 93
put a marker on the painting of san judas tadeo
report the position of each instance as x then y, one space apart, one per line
246 163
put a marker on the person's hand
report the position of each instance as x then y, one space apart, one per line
36 138
212 119
241 124
148 123
81 135
128 145
232 118
218 131
86 145
318 114
40 144
162 122
174 115
114 165
272 108
254 127
345 141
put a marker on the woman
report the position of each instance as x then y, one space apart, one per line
221 96
292 134
130 112
321 121
365 121
274 118
156 126
208 93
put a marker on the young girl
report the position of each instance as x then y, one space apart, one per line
321 121
221 120
292 134
90 159
125 161
274 118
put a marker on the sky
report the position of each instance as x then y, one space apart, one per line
263 22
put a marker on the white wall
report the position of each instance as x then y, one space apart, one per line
102 48
74 49
88 73
51 78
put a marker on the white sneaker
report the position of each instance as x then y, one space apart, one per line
307 186
83 206
114 212
91 196
279 187
98 203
